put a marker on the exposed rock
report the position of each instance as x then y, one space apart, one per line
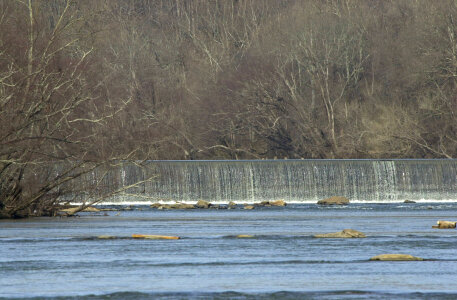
182 206
154 237
244 236
409 201
177 205
346 233
164 206
106 237
217 206
203 204
232 204
249 207
278 203
271 203
188 206
335 200
444 225
395 257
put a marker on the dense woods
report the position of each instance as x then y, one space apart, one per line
90 83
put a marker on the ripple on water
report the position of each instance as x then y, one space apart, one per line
64 257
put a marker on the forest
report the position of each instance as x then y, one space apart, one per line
86 84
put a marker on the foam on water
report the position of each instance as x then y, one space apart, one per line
121 201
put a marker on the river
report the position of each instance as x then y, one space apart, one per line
62 258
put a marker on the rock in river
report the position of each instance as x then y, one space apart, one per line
336 200
346 233
232 204
106 237
278 203
203 204
271 203
395 257
154 237
156 205
179 205
445 225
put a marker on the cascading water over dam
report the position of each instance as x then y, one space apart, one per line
291 180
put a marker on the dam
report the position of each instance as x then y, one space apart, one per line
297 181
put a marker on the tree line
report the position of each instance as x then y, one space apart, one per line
90 83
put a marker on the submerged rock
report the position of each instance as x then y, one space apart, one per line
396 257
444 225
346 233
202 204
335 200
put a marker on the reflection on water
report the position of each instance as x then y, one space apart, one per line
53 257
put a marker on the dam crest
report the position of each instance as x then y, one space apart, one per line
295 181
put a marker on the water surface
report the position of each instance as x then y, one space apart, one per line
61 257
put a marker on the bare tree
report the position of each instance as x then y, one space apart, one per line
52 114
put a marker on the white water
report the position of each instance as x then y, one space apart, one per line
295 181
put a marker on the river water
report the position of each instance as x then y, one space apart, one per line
61 258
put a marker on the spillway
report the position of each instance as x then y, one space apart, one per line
290 180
